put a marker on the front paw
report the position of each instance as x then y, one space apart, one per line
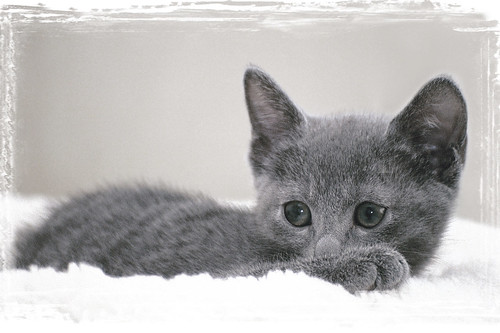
373 268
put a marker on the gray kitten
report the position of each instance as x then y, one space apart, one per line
355 200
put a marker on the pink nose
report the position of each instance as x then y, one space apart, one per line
327 246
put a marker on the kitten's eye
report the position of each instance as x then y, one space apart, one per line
297 213
368 214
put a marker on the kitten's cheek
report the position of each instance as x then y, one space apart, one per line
327 246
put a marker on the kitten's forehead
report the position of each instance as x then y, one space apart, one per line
346 129
344 142
333 154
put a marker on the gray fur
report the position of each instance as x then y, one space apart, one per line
410 165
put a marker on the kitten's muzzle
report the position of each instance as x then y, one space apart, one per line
327 246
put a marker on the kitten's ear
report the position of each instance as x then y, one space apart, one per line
274 117
434 124
272 114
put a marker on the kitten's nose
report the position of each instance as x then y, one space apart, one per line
327 246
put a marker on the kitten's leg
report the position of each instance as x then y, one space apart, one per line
368 268
356 269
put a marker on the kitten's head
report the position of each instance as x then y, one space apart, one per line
325 184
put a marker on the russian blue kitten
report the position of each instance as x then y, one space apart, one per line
360 201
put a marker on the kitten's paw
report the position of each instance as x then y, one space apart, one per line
367 269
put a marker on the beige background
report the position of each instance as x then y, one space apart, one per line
163 101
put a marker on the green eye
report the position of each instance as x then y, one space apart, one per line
368 214
297 213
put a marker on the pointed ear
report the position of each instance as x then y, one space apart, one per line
434 125
274 117
272 114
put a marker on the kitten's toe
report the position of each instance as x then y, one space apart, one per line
361 276
383 271
373 269
392 270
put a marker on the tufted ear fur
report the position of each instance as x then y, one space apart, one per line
274 117
434 126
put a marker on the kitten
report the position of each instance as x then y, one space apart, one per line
360 201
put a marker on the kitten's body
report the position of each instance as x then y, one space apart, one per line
132 229
408 168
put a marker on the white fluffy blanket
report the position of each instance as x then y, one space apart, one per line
461 287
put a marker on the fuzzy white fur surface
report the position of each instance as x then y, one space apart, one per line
461 288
